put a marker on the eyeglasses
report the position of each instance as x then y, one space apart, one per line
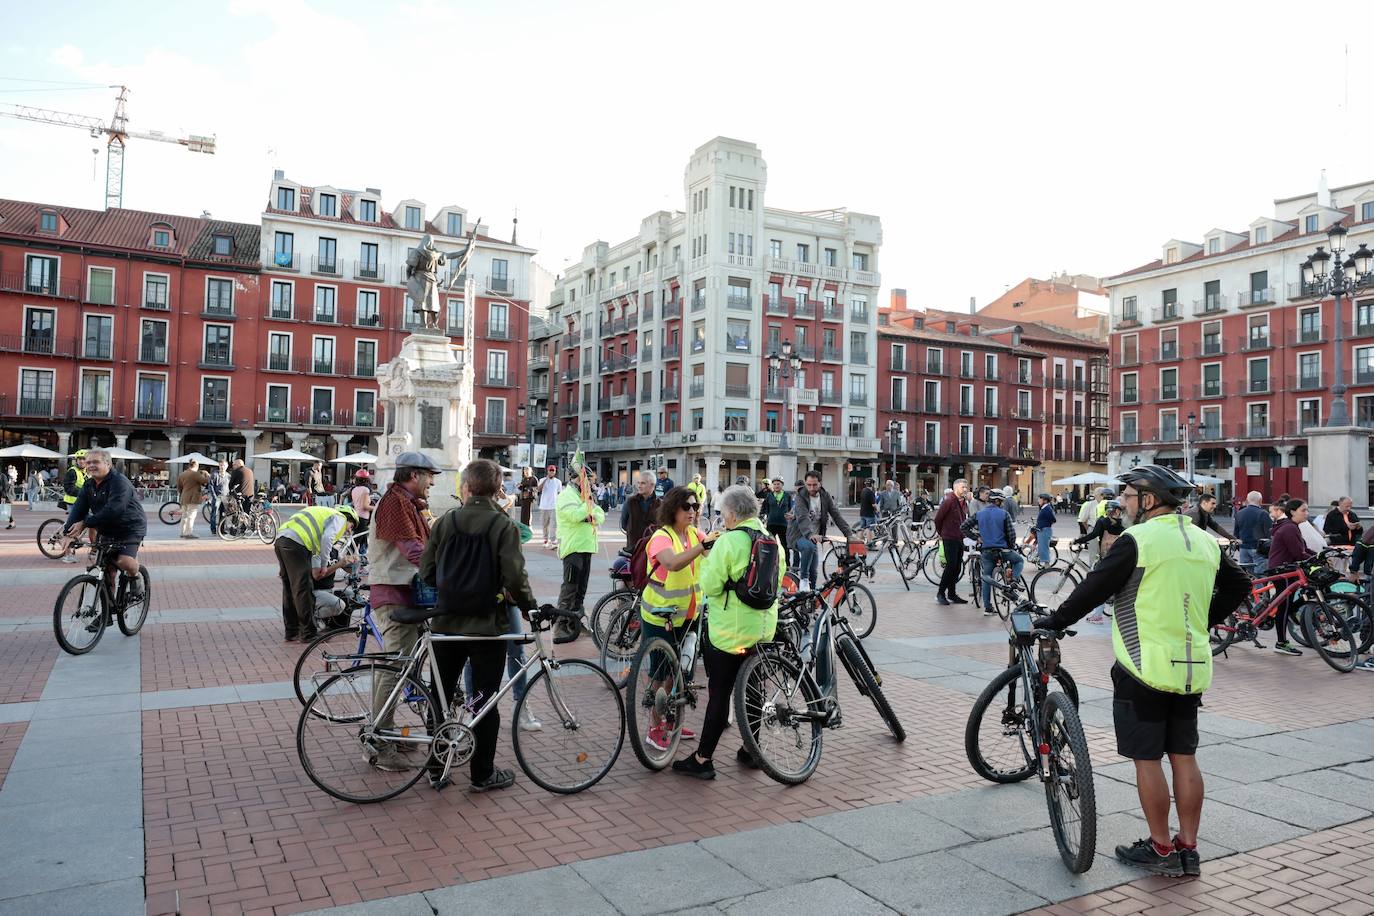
692 507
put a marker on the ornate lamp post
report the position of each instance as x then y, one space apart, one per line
1187 431
1330 276
894 432
785 367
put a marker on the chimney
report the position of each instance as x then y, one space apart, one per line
897 299
278 175
973 305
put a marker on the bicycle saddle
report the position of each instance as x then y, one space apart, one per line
415 614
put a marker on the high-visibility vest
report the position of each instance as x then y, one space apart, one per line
674 591
1159 621
309 524
68 498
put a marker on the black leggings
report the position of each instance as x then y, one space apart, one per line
1281 621
954 562
721 670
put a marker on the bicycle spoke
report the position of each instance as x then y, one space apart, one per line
583 726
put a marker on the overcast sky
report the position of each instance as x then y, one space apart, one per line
995 141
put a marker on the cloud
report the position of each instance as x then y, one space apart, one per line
68 56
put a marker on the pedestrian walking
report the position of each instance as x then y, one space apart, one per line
527 490
7 500
360 498
34 487
314 483
548 491
777 503
191 484
868 504
1044 529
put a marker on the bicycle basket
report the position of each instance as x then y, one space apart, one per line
1322 576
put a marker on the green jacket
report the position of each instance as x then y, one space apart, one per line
734 626
473 518
575 533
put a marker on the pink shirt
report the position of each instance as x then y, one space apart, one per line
361 497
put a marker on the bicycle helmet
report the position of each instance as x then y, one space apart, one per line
362 475
349 513
79 453
995 496
1166 484
1114 504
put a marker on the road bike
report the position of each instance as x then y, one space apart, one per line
88 602
1020 727
339 735
787 693
259 519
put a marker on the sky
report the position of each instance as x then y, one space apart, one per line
996 141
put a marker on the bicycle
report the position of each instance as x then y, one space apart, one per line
1039 734
877 540
259 518
338 737
86 604
787 693
609 605
661 684
1002 601
1053 583
334 643
52 541
170 512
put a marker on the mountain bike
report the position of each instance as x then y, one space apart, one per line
659 690
338 736
1053 583
1019 727
1002 600
88 602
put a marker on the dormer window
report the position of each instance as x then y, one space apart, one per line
1214 245
1310 223
1171 256
162 238
455 224
47 221
222 245
286 198
329 205
412 217
367 211
1261 235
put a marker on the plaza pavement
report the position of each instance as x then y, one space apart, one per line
159 774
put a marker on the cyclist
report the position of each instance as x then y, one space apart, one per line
806 524
1171 586
1103 535
1044 529
241 484
72 481
303 549
1287 546
992 526
107 503
1201 515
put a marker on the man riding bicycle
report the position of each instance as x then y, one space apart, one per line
992 526
107 503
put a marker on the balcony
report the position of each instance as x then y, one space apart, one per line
572 339
832 354
1362 328
494 426
806 309
502 285
992 413
1165 354
218 310
216 358
281 311
1127 359
586 370
829 396
567 409
1210 389
325 316
1208 432
1310 335
1128 320
372 320
645 394
1253 430
39 344
1255 297
282 362
859 317
1165 393
929 406
1254 343
858 399
1128 397
152 352
858 357
567 376
1257 385
498 332
672 351
966 410
738 344
320 366
150 411
775 307
1209 305
647 308
500 379
898 364
283 260
805 351
1208 347
323 417
1171 311
698 345
698 303
967 372
738 391
1022 413
364 270
698 388
896 405
672 310
1364 375
832 311
324 267
1300 290
738 303
1126 436
646 354
1311 381
537 364
57 289
366 368
669 393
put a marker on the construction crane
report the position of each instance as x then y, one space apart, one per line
117 134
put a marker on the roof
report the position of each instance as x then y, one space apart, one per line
131 231
960 340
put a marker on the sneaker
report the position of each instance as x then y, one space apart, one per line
955 599
68 558
688 766
1286 648
1096 618
657 738
746 759
392 760
1188 858
528 723
499 779
1366 665
941 599
1144 854
687 734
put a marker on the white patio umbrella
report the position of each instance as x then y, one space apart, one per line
28 450
1087 477
117 452
1207 480
287 454
193 456
356 458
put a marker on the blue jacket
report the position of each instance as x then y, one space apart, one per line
1046 518
1252 526
994 527
111 507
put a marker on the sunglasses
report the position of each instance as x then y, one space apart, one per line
693 507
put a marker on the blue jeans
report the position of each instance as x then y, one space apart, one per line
212 510
867 521
989 558
1042 544
1248 558
515 658
804 556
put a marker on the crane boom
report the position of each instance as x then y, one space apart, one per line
116 133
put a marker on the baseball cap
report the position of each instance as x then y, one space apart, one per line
552 467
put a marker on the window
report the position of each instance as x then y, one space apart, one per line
858 389
496 367
935 361
775 248
751 198
365 407
286 198
1023 369
214 400
99 338
1211 423
1170 255
218 345
100 286
279 352
1364 365
412 217
1364 410
162 238
47 221
1310 326
456 318
329 205
1259 332
1023 405
827 384
737 294
219 297
500 279
1211 380
325 300
365 359
151 397
40 274
328 258
1310 223
367 309
1259 419
1366 211
803 253
989 365
1211 295
831 257
989 440
1259 375
152 341
1168 345
38 330
899 357
95 393
1261 235
323 348
1214 246
367 211
284 249
860 260
1309 370
965 439
966 400
283 299
1259 287
858 308
1309 413
737 335
35 392
155 291
989 401
1211 338
321 405
367 260
222 245
897 400
497 324
1168 384
1128 309
1169 303
1130 390
736 419
698 418
858 348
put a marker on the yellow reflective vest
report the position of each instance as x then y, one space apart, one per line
673 593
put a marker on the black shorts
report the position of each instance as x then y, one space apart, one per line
1151 723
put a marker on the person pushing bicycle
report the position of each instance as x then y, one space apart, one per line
1171 584
993 527
107 502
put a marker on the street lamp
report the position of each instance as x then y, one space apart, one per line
1187 433
894 432
1325 275
785 367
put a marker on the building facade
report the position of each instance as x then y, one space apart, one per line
1074 302
665 338
1219 349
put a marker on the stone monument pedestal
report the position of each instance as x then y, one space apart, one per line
427 398
783 463
1338 465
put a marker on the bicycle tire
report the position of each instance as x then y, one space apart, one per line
48 534
621 643
975 579
932 565
759 669
979 756
1355 608
864 679
927 529
1224 635
1329 634
657 656
351 640
860 609
89 610
570 725
1003 603
602 615
329 742
170 512
1052 584
266 527
1069 783
831 561
131 620
230 527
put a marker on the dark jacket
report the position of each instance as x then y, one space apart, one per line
1205 521
637 514
1252 526
504 537
775 507
803 525
868 502
992 527
1287 545
949 518
1046 517
1337 531
241 481
1105 525
111 507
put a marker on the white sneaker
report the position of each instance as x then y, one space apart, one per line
68 558
528 723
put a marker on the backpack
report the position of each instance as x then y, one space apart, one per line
466 574
757 587
639 559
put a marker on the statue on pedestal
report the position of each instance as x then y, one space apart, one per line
422 275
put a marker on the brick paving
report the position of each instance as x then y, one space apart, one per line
26 660
11 733
181 656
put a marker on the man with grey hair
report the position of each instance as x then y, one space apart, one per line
639 510
107 503
1010 502
1252 525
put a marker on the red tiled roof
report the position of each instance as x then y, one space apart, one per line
345 206
131 230
940 337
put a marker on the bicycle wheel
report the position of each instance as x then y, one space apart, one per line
1356 611
339 754
79 616
1329 634
654 700
867 683
266 527
831 561
975 579
604 611
48 537
1052 585
860 608
313 669
780 717
933 564
581 698
927 529
1069 790
170 512
230 527
1004 603
131 616
620 644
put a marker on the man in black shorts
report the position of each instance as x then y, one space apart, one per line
107 503
1171 584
